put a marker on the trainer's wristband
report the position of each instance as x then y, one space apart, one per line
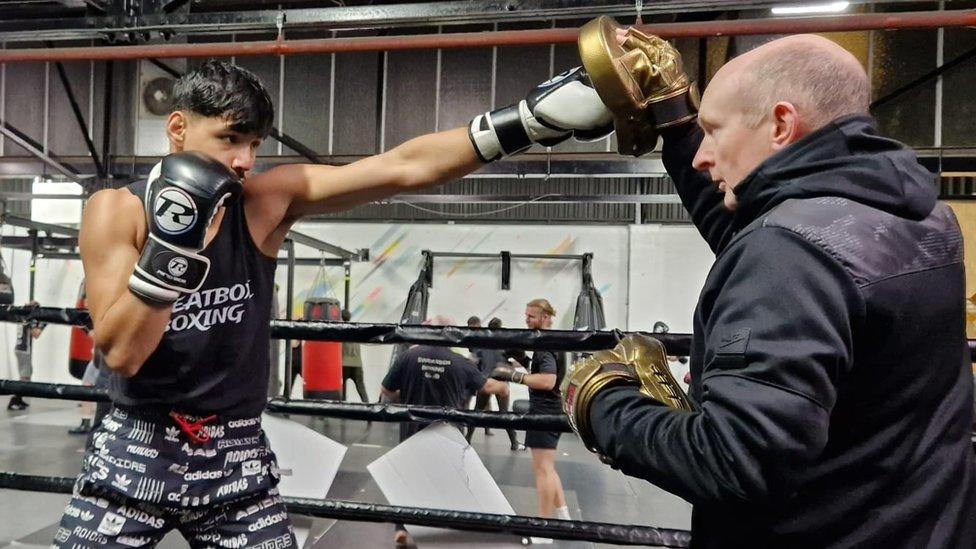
676 107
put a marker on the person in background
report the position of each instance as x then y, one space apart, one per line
545 374
432 376
486 360
352 364
512 356
23 351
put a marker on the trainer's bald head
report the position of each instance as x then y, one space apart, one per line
820 78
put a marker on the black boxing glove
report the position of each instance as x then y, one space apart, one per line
562 107
183 195
507 372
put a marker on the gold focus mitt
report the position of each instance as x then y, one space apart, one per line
638 360
642 82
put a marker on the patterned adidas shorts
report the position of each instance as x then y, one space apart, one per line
145 475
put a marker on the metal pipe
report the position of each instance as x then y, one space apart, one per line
36 150
764 26
289 296
32 277
930 75
107 118
63 75
346 281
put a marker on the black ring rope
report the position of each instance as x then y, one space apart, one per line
359 332
449 336
387 412
519 525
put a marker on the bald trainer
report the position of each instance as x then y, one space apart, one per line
830 401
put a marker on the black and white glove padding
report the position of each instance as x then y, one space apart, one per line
183 195
562 107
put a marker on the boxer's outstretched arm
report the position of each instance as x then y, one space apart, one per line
562 107
306 189
127 329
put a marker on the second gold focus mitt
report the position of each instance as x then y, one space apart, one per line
637 361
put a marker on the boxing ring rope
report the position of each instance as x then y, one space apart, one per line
697 29
600 532
386 412
445 336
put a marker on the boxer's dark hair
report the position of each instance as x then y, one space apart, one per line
474 321
219 89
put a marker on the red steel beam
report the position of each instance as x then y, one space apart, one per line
796 25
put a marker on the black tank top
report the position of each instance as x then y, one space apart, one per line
214 355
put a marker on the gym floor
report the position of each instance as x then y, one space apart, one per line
36 442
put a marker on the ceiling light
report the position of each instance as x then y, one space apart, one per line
826 7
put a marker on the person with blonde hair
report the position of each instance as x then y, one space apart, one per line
545 374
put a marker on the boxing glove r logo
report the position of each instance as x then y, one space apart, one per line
175 211
177 266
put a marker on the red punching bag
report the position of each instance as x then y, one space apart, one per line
322 360
81 347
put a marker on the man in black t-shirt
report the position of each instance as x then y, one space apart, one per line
433 376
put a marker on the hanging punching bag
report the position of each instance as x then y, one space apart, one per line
81 346
589 305
322 360
414 311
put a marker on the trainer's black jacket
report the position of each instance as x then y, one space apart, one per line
829 364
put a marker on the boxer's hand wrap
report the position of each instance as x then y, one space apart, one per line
562 107
504 372
637 361
184 193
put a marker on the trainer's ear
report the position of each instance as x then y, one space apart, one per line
787 125
176 126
